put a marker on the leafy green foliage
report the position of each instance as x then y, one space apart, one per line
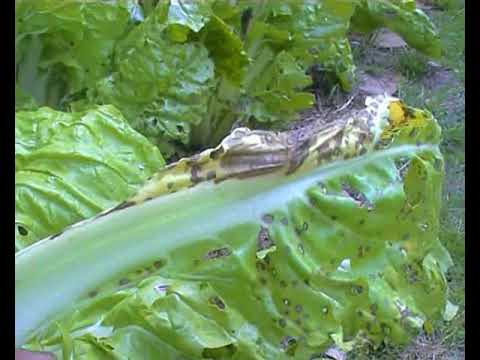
161 86
442 92
65 47
333 254
71 166
183 73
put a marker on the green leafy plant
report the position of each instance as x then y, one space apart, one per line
295 243
267 245
71 166
183 73
180 74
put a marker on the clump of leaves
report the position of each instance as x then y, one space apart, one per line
296 243
182 73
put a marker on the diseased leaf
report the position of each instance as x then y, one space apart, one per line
296 242
271 245
161 87
183 73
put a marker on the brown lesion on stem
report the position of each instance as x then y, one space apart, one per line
249 153
218 253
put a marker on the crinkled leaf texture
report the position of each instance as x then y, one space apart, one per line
65 47
71 166
183 73
310 32
270 246
161 85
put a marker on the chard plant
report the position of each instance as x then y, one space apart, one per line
146 228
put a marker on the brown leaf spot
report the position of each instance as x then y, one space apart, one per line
263 239
24 232
289 345
357 289
161 288
301 249
194 172
219 353
159 264
302 229
358 197
215 154
211 175
218 253
215 300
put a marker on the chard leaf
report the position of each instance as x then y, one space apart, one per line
273 88
71 166
167 71
183 73
305 32
162 87
192 15
401 17
226 50
55 42
269 246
